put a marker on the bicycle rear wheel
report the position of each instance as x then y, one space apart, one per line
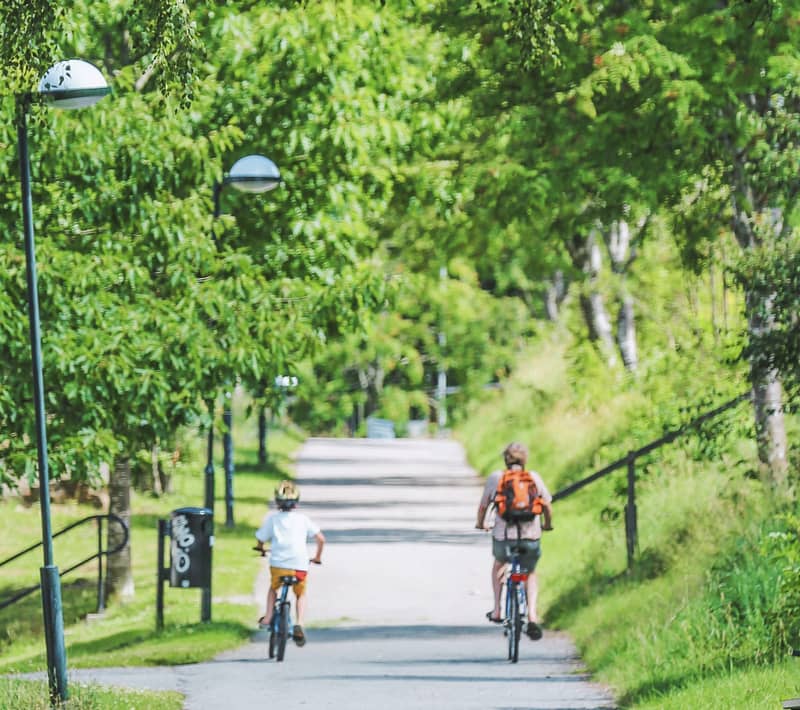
283 630
519 620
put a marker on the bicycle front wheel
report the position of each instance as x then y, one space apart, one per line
273 641
283 630
514 625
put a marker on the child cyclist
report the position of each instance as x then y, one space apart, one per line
288 531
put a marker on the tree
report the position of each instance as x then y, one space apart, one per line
721 107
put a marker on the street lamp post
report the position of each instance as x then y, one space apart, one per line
441 375
68 84
253 173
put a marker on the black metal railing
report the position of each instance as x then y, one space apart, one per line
629 461
101 600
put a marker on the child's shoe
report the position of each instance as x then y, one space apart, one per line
298 635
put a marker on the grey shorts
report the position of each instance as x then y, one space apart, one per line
529 552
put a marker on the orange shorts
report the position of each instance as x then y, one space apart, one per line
277 572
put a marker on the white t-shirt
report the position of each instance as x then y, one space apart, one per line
502 531
287 531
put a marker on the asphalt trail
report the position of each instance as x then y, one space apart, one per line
396 612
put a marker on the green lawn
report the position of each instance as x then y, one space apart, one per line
32 695
126 634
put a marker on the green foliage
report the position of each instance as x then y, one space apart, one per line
149 309
390 368
126 634
782 548
713 591
773 273
534 24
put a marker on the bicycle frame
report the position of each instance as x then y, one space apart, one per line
515 585
279 602
279 626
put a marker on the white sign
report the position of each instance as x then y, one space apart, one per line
286 381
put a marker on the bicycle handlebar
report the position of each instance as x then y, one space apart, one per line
264 551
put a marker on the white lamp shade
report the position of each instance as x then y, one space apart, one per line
73 83
254 173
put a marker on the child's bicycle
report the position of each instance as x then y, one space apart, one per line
281 621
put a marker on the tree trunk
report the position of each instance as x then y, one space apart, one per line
555 293
586 256
626 334
767 390
618 242
767 400
712 284
165 477
120 571
155 465
262 436
599 324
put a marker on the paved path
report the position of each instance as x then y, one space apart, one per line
395 618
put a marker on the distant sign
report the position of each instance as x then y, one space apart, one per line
286 381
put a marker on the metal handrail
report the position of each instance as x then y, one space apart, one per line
647 448
22 593
629 461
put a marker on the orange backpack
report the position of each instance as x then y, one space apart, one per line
517 498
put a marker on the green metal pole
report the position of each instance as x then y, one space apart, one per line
205 599
631 533
441 378
227 458
51 582
227 416
209 469
162 533
262 436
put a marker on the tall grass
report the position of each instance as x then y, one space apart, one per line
701 617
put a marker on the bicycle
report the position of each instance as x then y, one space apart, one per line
516 596
516 603
281 620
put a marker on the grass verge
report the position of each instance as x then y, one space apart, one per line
699 622
125 635
32 695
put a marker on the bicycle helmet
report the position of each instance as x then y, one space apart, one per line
287 495
515 453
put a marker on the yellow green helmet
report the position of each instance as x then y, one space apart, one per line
287 495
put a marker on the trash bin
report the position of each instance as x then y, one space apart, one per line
192 537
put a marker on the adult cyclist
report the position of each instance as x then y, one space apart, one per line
515 455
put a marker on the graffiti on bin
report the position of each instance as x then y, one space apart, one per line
182 541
